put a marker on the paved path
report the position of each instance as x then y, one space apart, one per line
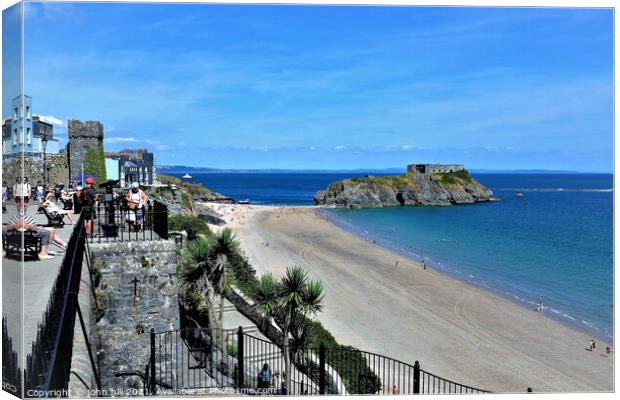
33 283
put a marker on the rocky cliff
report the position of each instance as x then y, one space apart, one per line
404 190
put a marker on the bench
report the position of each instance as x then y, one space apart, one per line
53 220
12 245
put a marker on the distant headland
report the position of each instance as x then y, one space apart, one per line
422 184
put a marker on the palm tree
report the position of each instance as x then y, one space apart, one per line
284 300
199 271
224 245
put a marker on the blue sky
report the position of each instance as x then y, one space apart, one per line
330 87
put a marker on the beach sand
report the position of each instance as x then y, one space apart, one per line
456 331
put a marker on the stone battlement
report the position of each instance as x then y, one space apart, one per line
90 129
426 169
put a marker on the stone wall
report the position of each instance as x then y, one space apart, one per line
123 325
82 135
57 166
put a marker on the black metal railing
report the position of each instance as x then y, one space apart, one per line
48 366
187 359
115 222
11 371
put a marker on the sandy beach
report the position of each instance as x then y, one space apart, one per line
403 311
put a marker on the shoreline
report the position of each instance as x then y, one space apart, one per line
453 311
437 266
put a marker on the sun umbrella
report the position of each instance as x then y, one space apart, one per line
80 178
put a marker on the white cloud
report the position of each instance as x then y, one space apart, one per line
50 119
162 147
340 147
129 139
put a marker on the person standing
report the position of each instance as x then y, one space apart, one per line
591 345
21 191
40 192
137 199
264 377
88 205
58 190
78 199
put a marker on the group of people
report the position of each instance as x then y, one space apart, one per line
84 201
23 193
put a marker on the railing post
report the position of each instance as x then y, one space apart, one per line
322 369
416 377
240 369
153 388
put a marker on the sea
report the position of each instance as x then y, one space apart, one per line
553 245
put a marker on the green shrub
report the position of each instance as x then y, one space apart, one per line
183 222
94 163
186 202
392 181
451 178
231 350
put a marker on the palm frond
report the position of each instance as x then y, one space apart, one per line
292 284
266 294
313 297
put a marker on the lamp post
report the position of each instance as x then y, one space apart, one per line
44 144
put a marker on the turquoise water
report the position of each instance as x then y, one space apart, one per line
555 243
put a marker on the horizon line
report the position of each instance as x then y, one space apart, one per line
530 170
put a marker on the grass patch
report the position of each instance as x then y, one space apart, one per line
452 178
392 181
193 189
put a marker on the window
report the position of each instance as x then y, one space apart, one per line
28 112
21 134
14 136
28 135
15 113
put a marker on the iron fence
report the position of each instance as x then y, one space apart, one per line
114 222
48 366
11 371
188 359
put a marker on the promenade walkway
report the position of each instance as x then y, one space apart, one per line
33 283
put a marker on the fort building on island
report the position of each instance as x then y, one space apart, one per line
26 133
426 169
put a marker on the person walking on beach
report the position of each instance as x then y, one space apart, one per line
592 345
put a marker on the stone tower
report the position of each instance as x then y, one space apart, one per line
82 135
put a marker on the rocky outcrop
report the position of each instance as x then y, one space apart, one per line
404 190
207 214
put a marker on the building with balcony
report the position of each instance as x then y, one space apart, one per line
23 132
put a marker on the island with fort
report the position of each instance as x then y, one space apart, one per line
422 184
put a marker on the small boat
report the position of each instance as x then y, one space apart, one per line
519 194
187 176
246 201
